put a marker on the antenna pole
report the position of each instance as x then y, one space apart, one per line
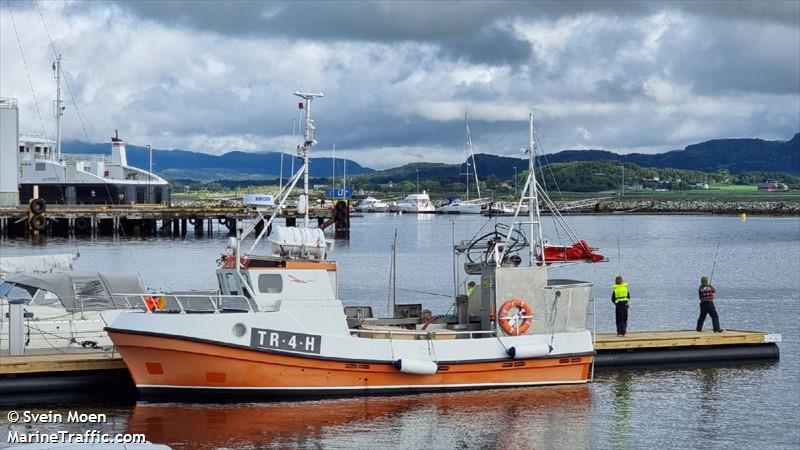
534 214
59 108
150 196
309 142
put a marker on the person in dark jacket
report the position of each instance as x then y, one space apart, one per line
620 297
706 294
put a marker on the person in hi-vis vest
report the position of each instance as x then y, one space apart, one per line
620 297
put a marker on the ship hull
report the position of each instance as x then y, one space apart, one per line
169 367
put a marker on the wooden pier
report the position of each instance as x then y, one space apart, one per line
140 220
42 373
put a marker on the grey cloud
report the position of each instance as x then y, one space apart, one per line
471 30
414 20
495 45
747 57
377 62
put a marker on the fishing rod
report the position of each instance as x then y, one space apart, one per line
425 292
714 267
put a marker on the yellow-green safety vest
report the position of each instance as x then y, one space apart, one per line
470 290
621 293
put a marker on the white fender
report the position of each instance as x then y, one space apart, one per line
416 366
529 351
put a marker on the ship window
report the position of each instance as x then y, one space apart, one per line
38 149
40 167
21 292
233 286
22 149
44 297
270 283
4 288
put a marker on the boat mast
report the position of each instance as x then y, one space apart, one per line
534 216
309 142
471 155
466 147
59 107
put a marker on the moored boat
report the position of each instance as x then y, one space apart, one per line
416 203
457 206
278 327
371 204
467 206
66 309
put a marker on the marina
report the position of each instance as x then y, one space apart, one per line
391 225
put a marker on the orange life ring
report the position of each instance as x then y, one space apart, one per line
524 312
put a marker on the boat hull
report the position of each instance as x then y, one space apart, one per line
170 367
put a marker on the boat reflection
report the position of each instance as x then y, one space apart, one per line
540 417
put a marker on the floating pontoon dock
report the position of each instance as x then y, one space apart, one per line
663 348
67 373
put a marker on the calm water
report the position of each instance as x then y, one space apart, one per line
757 276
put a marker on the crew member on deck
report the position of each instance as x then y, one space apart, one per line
706 294
620 297
470 288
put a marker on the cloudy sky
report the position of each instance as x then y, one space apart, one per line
399 76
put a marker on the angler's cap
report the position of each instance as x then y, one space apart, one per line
704 280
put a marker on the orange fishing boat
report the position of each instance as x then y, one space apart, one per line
277 327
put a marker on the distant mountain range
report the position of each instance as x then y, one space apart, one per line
235 165
734 155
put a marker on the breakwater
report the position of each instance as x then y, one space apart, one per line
790 207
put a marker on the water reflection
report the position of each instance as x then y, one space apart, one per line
708 403
621 389
542 417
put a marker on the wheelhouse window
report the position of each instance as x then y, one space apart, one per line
233 284
270 283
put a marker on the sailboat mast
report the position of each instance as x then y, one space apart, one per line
308 98
471 155
466 147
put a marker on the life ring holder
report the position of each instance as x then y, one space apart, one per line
524 312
